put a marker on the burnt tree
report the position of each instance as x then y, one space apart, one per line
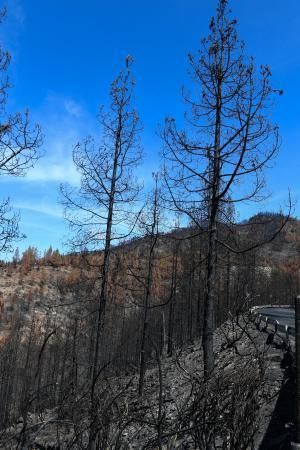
220 157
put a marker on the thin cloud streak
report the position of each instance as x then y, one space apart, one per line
54 172
53 210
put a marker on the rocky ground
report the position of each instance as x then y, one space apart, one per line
236 401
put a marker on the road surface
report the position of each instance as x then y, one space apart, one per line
284 316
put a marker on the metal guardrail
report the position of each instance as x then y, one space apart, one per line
289 331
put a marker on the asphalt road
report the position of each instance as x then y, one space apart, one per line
284 316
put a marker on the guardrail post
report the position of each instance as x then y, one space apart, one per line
267 323
296 445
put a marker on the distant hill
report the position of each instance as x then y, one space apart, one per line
32 285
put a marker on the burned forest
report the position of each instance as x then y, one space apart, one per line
157 324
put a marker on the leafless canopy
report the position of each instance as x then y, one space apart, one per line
220 158
106 170
229 139
19 150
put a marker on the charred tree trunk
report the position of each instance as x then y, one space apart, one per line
148 286
213 205
172 303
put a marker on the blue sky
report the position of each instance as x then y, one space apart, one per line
65 54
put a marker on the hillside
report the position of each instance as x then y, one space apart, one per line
285 248
174 397
41 285
47 329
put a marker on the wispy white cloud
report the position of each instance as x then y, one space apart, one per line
54 209
50 171
73 108
55 166
64 123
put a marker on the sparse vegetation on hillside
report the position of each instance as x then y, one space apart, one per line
90 340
